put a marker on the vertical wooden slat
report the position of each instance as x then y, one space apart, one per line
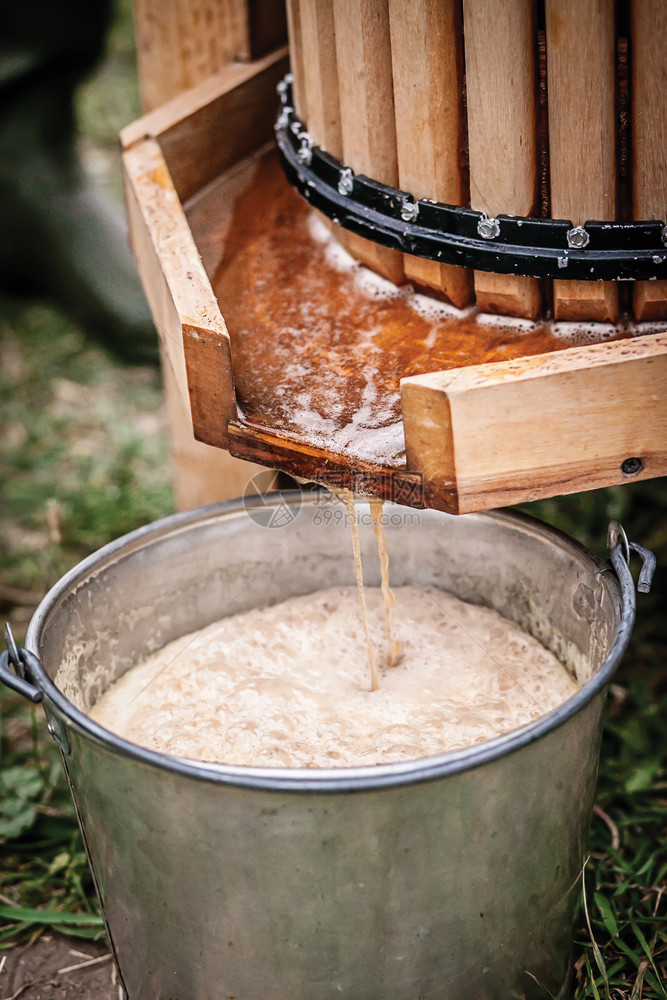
182 41
500 84
320 86
320 78
649 139
363 54
296 55
582 144
427 73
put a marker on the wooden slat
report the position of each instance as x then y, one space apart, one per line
320 86
427 72
582 144
208 129
297 458
181 42
649 126
363 53
297 58
500 86
505 433
320 79
189 322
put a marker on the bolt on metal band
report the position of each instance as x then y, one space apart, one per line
453 234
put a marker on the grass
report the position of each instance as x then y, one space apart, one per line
84 455
84 459
622 946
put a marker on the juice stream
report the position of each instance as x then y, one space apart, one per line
347 499
395 647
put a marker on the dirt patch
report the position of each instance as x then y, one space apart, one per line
38 971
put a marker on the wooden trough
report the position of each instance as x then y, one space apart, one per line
282 348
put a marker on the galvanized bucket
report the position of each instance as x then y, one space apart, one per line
453 876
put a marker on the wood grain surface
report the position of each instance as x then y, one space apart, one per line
649 136
363 54
504 433
582 137
181 42
426 51
500 82
297 58
195 349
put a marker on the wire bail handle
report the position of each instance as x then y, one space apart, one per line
618 544
17 681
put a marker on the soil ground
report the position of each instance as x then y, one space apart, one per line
37 971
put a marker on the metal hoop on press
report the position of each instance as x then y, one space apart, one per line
507 244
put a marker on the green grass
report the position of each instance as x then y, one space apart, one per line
84 451
44 875
84 458
622 955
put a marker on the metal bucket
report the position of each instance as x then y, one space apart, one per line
452 876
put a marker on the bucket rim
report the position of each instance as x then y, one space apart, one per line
323 780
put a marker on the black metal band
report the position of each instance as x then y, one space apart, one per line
508 244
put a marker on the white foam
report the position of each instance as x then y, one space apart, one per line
578 334
516 323
317 229
288 685
647 327
375 286
338 257
434 309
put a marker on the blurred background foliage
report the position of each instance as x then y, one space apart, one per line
84 458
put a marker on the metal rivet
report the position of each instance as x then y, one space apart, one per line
577 238
283 119
663 235
488 229
631 466
346 181
409 211
58 733
296 127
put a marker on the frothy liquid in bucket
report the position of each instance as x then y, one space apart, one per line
288 685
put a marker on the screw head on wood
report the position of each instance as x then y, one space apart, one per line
488 229
577 238
409 211
305 153
346 181
631 466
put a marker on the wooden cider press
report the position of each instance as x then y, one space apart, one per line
428 262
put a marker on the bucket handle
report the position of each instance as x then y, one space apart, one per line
619 547
18 658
